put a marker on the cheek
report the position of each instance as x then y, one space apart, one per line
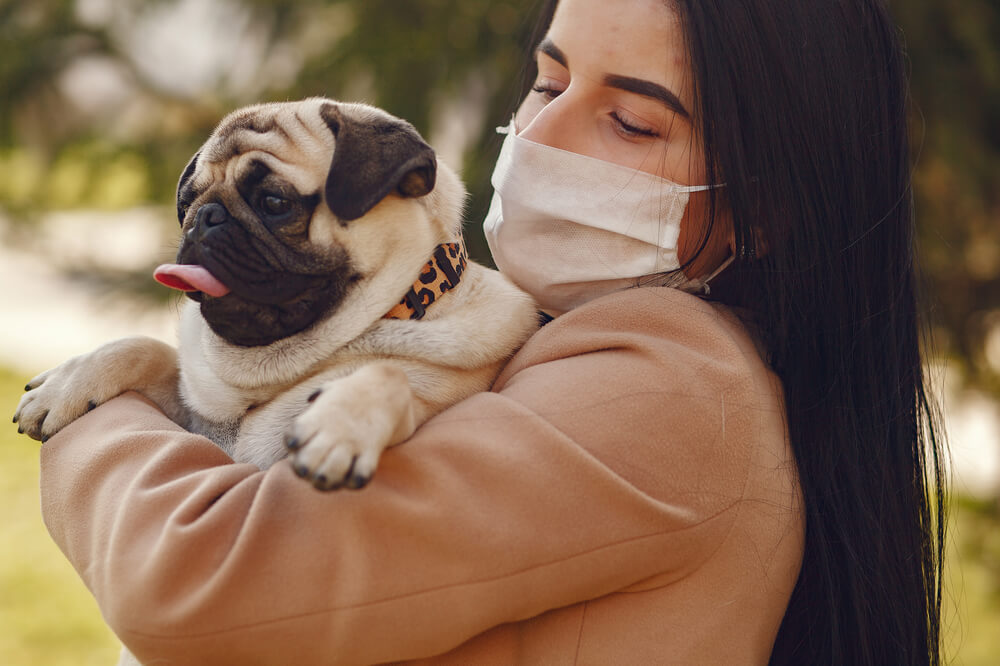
677 160
323 228
692 234
692 227
526 112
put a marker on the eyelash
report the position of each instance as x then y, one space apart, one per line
632 130
548 92
628 129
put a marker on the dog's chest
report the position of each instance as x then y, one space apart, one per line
256 438
223 434
257 434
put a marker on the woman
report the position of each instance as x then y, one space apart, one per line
744 473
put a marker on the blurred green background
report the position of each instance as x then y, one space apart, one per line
104 101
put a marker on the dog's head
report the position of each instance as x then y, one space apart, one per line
289 208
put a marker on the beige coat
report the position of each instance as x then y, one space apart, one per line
625 495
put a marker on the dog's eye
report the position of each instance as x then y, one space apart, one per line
275 205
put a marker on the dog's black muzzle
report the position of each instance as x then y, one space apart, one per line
275 290
208 217
251 259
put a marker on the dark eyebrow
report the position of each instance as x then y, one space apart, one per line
551 50
647 89
626 83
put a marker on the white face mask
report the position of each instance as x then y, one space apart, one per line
568 228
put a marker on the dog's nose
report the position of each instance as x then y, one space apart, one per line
211 215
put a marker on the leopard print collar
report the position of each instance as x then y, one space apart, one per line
439 275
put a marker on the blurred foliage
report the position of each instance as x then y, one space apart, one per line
954 51
435 62
86 120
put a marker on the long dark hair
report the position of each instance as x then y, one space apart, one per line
803 114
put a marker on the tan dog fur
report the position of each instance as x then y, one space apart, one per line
378 379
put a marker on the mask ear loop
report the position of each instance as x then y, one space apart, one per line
700 286
509 128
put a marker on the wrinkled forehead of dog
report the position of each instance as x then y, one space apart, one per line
354 154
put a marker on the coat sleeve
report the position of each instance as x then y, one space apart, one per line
602 459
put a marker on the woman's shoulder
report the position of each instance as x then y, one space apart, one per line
671 330
652 375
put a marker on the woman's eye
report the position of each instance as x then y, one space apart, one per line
548 91
275 205
631 127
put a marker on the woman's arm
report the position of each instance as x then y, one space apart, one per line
605 458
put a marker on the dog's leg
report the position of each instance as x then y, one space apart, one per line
338 440
58 396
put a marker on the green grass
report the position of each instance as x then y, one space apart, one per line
48 616
972 595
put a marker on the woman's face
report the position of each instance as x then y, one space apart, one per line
614 83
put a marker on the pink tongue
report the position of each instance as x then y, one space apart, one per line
189 277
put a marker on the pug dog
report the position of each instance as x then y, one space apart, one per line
331 306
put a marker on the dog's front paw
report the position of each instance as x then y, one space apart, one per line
337 441
59 396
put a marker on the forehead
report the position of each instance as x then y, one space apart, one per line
291 139
636 38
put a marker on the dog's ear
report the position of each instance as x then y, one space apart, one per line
185 193
373 159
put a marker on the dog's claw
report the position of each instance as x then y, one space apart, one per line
357 481
91 405
301 471
292 443
315 394
326 486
